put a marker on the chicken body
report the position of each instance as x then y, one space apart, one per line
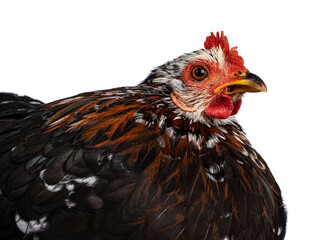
163 160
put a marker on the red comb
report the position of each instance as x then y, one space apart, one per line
222 41
216 41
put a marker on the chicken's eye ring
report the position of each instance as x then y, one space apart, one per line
199 73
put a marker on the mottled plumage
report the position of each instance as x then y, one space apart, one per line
155 161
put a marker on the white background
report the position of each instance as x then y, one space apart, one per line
55 49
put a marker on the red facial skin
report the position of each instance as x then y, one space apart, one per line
221 105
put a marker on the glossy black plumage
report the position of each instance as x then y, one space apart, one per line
123 203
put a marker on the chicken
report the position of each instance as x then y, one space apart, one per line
165 159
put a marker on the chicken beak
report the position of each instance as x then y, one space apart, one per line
250 83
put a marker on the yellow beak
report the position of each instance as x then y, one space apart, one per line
250 83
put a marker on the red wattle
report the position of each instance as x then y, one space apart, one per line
236 107
221 107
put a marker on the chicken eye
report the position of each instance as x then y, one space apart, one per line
199 73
